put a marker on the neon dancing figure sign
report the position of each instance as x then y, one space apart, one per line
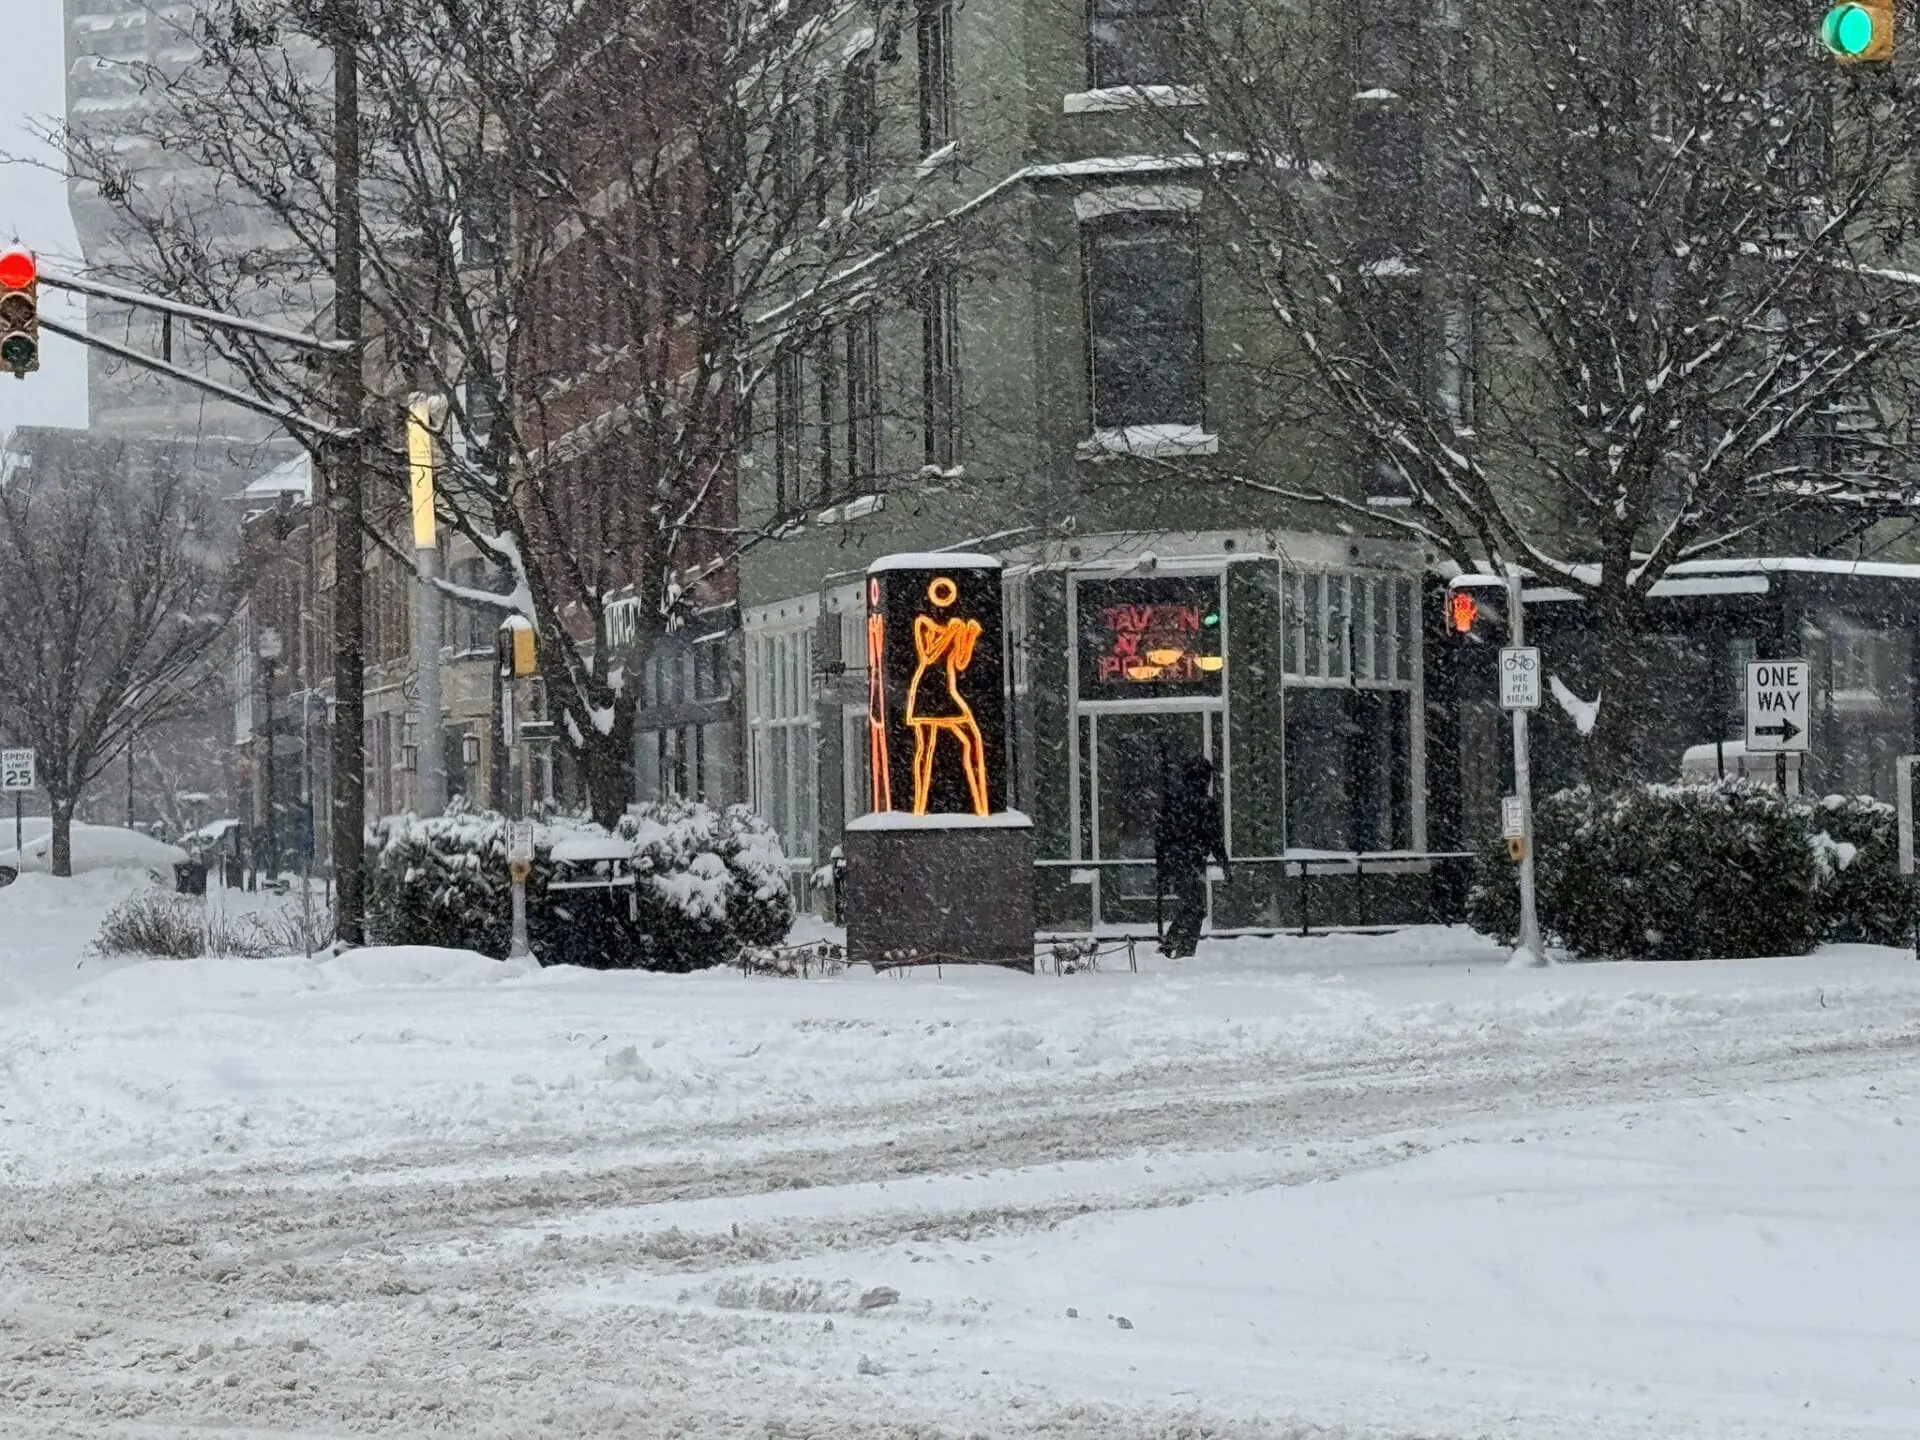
936 703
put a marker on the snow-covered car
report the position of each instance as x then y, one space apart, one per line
96 847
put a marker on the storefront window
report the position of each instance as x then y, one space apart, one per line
780 719
1150 638
1351 653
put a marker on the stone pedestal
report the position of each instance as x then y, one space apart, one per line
951 889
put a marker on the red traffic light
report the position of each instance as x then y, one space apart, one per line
18 270
1464 610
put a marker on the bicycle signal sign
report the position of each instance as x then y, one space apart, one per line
1520 677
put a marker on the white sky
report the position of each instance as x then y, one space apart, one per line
33 211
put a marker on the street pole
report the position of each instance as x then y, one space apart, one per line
1529 952
347 458
269 857
431 753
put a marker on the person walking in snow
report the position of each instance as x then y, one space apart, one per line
1190 834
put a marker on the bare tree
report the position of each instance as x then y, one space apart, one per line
1586 288
574 214
117 587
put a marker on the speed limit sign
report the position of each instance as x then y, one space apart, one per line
1520 677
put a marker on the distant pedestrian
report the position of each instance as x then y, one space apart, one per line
1191 832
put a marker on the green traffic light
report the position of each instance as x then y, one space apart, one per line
17 353
1847 30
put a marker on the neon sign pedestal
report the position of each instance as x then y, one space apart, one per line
942 870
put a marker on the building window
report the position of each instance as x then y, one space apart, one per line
936 75
862 349
1135 42
780 723
826 378
1350 652
788 160
788 397
859 116
1143 319
468 628
940 366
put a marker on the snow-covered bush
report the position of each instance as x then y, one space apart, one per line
1665 872
708 883
1863 895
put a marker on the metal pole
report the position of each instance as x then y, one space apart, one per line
347 497
19 845
518 948
269 851
1529 952
433 744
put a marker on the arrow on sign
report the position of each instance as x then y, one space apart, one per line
1786 729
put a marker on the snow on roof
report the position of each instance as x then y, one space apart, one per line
933 560
291 477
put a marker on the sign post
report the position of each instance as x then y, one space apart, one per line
520 865
1520 694
1778 711
17 774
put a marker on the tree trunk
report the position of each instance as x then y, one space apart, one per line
1611 744
607 761
60 854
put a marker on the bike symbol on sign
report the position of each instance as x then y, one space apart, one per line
1520 677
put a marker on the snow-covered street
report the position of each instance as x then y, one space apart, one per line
1332 1187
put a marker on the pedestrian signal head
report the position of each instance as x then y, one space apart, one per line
1462 610
19 312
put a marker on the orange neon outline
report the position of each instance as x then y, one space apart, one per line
877 766
950 643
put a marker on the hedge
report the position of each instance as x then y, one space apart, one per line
1684 872
708 883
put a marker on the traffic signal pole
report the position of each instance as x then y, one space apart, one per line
1529 953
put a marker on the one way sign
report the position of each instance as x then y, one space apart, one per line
1777 705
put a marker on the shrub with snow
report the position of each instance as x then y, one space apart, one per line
1685 872
707 884
1863 896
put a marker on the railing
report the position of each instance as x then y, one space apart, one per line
1311 869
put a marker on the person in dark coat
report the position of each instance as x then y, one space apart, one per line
1190 833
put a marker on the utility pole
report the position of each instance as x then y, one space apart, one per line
346 461
425 414
1529 952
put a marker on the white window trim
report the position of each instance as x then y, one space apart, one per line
1118 199
1149 442
1132 97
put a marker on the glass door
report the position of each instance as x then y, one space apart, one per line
1137 755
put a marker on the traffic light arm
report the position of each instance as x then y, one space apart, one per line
290 418
212 318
